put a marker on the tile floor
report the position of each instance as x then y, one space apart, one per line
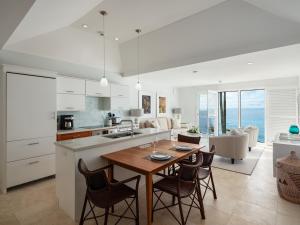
242 200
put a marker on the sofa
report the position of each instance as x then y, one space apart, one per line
233 146
252 131
165 123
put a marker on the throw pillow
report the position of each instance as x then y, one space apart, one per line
148 124
155 124
234 132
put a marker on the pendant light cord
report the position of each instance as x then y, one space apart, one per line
104 55
138 54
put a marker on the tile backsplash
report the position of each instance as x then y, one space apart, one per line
93 114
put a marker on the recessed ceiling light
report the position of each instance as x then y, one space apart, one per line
195 71
116 39
85 26
250 63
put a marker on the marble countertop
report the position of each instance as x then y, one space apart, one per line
98 141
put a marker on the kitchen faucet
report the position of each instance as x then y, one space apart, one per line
131 123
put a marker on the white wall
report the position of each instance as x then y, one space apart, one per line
169 92
188 98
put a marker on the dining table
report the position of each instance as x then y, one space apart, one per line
138 160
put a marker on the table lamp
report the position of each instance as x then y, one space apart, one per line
136 113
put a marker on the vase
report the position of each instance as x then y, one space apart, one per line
294 129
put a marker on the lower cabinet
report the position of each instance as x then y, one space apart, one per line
70 102
24 149
63 137
22 171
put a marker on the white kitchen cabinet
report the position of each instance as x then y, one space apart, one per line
119 103
26 170
27 125
93 88
17 150
118 90
70 102
31 107
68 85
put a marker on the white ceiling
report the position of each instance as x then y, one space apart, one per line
49 15
124 16
288 9
8 20
269 64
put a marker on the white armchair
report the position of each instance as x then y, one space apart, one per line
230 146
253 136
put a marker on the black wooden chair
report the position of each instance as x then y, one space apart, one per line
186 139
189 139
205 175
103 193
182 185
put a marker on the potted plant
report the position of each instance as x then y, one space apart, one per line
193 130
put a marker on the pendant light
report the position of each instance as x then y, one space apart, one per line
103 81
138 85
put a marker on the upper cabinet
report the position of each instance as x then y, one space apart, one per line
67 85
118 90
93 88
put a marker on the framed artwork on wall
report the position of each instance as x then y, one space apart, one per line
161 104
147 103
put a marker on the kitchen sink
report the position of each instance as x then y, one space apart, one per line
120 135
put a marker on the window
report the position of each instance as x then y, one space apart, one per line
253 111
228 111
203 114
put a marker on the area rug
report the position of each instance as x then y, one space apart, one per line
245 166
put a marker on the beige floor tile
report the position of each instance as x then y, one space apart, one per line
242 200
287 208
235 220
286 220
8 219
255 214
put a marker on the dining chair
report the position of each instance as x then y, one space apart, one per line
189 139
183 185
205 175
104 193
186 139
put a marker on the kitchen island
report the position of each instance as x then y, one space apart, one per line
70 184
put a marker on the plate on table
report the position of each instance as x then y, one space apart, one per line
183 148
160 156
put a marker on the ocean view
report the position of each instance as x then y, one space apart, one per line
249 116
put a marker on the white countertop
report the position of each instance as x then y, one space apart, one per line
98 141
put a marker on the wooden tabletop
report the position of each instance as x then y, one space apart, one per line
137 158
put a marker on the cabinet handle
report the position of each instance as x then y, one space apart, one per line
70 91
69 107
34 143
99 93
34 162
120 95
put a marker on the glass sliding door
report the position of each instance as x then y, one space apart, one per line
212 103
208 113
203 114
253 111
228 111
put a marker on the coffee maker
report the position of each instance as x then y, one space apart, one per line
66 122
